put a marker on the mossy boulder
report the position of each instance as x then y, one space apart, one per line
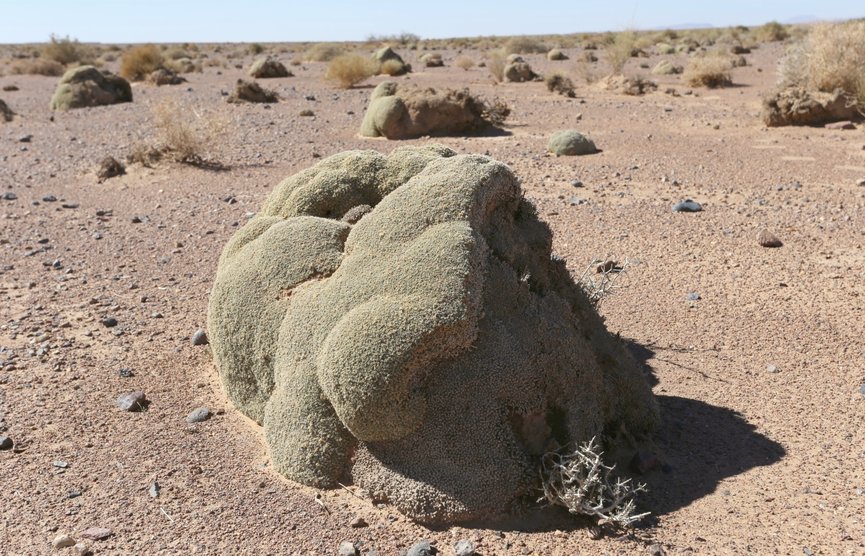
164 76
570 142
666 67
267 67
432 60
396 65
517 70
429 348
404 112
663 48
556 55
86 86
798 106
250 91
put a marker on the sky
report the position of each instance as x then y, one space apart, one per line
134 21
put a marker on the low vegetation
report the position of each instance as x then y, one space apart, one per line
619 50
348 70
37 66
323 52
66 51
140 61
185 135
708 71
524 45
496 62
464 62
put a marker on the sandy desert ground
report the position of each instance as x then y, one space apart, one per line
760 380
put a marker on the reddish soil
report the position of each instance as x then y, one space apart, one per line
756 461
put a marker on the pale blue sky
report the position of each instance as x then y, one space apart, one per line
125 21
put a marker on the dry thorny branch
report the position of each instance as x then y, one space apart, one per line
600 279
582 483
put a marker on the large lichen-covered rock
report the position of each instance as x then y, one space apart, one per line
87 86
666 67
396 65
517 70
429 347
634 86
250 91
400 112
267 67
570 142
797 106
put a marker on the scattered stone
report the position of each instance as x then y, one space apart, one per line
199 338
422 548
82 549
397 65
693 296
60 464
518 70
643 462
862 389
767 239
164 76
6 113
570 142
125 372
62 541
109 322
796 106
556 55
154 489
198 415
25 138
841 125
268 67
575 201
687 206
9 196
860 183
96 533
307 113
250 91
464 547
666 67
49 199
132 401
87 86
348 549
109 168
358 522
771 369
576 183
6 443
432 60
657 550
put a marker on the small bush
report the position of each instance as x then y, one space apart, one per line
183 138
323 52
496 62
771 32
66 51
464 62
37 66
558 83
392 68
524 45
708 71
140 61
255 48
350 69
831 57
620 50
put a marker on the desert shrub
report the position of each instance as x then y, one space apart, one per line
496 62
66 51
524 45
184 135
708 71
831 57
558 83
403 38
464 62
392 67
37 66
771 32
323 52
619 50
140 61
350 69
255 48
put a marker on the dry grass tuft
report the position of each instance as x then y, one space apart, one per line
831 57
771 32
323 52
140 61
708 71
350 69
392 68
464 62
37 66
619 50
67 51
496 64
185 136
525 45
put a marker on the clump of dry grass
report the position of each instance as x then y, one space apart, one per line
524 45
37 66
831 57
771 32
323 52
140 61
496 64
708 71
558 83
464 62
348 70
66 51
185 136
392 68
619 50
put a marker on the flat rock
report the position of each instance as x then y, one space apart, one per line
132 401
687 206
358 522
347 549
767 239
422 548
199 338
96 533
62 541
198 415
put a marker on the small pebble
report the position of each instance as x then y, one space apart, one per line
464 547
693 296
62 541
109 322
6 443
576 183
96 533
125 372
25 138
9 196
771 369
82 549
49 199
199 338
132 401
687 206
348 549
767 239
861 183
198 415
154 489
422 548
358 522
60 464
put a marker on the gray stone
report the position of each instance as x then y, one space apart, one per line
348 549
132 401
693 296
771 369
198 415
62 541
767 239
687 206
422 548
6 443
570 142
96 533
358 522
199 338
464 547
109 322
9 196
154 489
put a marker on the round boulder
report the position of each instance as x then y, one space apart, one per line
268 67
86 86
570 142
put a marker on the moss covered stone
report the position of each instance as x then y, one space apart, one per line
87 86
428 348
570 143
